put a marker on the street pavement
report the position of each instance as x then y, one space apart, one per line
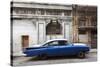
28 61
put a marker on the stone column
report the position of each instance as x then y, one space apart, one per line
89 31
89 38
75 29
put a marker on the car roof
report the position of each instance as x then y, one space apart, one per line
57 39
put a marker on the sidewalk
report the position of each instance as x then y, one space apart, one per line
23 58
93 50
20 59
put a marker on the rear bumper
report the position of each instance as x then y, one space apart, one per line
30 54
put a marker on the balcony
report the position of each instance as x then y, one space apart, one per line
92 25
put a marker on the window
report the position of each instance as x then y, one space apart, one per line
81 13
56 43
94 21
53 12
31 11
82 21
24 11
53 43
82 32
62 42
53 28
40 12
67 13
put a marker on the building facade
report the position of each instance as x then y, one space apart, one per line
85 24
34 23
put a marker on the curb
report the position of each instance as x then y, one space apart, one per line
93 50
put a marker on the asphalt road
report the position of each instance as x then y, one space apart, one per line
91 57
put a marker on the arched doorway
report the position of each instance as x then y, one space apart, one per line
53 29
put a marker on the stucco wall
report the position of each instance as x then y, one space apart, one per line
23 27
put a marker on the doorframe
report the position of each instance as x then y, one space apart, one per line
22 40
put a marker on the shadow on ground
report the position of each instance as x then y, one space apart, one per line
54 58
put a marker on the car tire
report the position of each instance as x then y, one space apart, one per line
81 55
43 56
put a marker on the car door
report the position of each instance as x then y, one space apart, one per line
65 48
53 48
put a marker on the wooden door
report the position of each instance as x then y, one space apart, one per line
25 41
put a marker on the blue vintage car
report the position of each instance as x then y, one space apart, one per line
57 47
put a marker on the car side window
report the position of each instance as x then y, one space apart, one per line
53 43
56 43
62 42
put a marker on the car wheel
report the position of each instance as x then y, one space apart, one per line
43 56
81 54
